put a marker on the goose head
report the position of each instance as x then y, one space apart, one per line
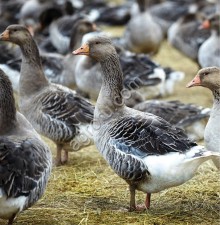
99 48
16 34
208 77
211 23
80 28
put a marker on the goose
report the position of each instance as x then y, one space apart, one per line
209 77
115 15
185 35
10 64
140 73
167 12
25 160
209 51
190 117
55 111
146 151
61 69
142 37
57 68
60 32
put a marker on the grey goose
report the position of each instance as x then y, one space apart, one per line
146 151
139 36
209 77
209 51
55 111
25 160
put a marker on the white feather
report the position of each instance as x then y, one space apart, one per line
9 206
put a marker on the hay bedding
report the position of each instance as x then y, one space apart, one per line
86 191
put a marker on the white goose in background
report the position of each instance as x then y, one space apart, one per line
146 151
25 160
210 78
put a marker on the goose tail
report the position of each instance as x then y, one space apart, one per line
199 154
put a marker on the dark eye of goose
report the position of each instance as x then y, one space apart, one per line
87 24
97 42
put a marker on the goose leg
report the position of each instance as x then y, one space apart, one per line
65 157
11 220
58 157
147 201
132 198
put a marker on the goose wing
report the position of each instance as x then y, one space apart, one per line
62 111
151 135
22 165
138 71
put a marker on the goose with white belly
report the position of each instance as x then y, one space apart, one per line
146 151
210 78
55 111
25 160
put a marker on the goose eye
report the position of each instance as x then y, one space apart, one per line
97 42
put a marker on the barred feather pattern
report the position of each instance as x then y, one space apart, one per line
127 166
150 135
125 142
25 167
58 113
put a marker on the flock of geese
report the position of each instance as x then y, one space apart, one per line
145 142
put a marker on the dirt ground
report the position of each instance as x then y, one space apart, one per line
86 191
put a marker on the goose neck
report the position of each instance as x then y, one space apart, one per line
32 76
7 109
110 97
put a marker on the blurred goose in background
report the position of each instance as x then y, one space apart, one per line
209 77
142 37
10 63
38 14
9 12
57 68
139 71
190 117
209 52
111 14
168 12
165 88
25 160
55 111
60 31
185 35
67 64
146 151
143 78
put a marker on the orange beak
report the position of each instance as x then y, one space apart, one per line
94 27
195 82
83 50
31 30
4 36
205 25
